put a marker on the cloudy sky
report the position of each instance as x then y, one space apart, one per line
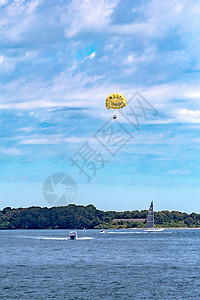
59 60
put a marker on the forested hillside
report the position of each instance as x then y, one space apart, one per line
73 216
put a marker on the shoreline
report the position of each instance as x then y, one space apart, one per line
181 228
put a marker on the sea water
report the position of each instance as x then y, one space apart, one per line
120 264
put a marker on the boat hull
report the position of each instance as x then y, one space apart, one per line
153 229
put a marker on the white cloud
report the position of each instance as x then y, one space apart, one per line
192 113
3 2
1 59
88 15
73 91
69 88
158 18
10 151
25 129
53 139
37 142
188 115
148 55
18 18
179 172
146 29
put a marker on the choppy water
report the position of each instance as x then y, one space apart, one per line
122 264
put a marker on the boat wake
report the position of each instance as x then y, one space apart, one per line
50 238
137 232
85 238
61 239
122 232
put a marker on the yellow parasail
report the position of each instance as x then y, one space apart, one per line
115 101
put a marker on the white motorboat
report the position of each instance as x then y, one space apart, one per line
103 231
73 235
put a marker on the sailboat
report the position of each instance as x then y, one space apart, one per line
150 221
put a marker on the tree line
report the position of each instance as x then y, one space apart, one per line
77 216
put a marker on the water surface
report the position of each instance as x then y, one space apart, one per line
122 264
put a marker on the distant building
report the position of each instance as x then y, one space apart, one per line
129 220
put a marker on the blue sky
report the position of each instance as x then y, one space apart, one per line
58 63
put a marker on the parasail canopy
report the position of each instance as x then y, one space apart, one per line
115 101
